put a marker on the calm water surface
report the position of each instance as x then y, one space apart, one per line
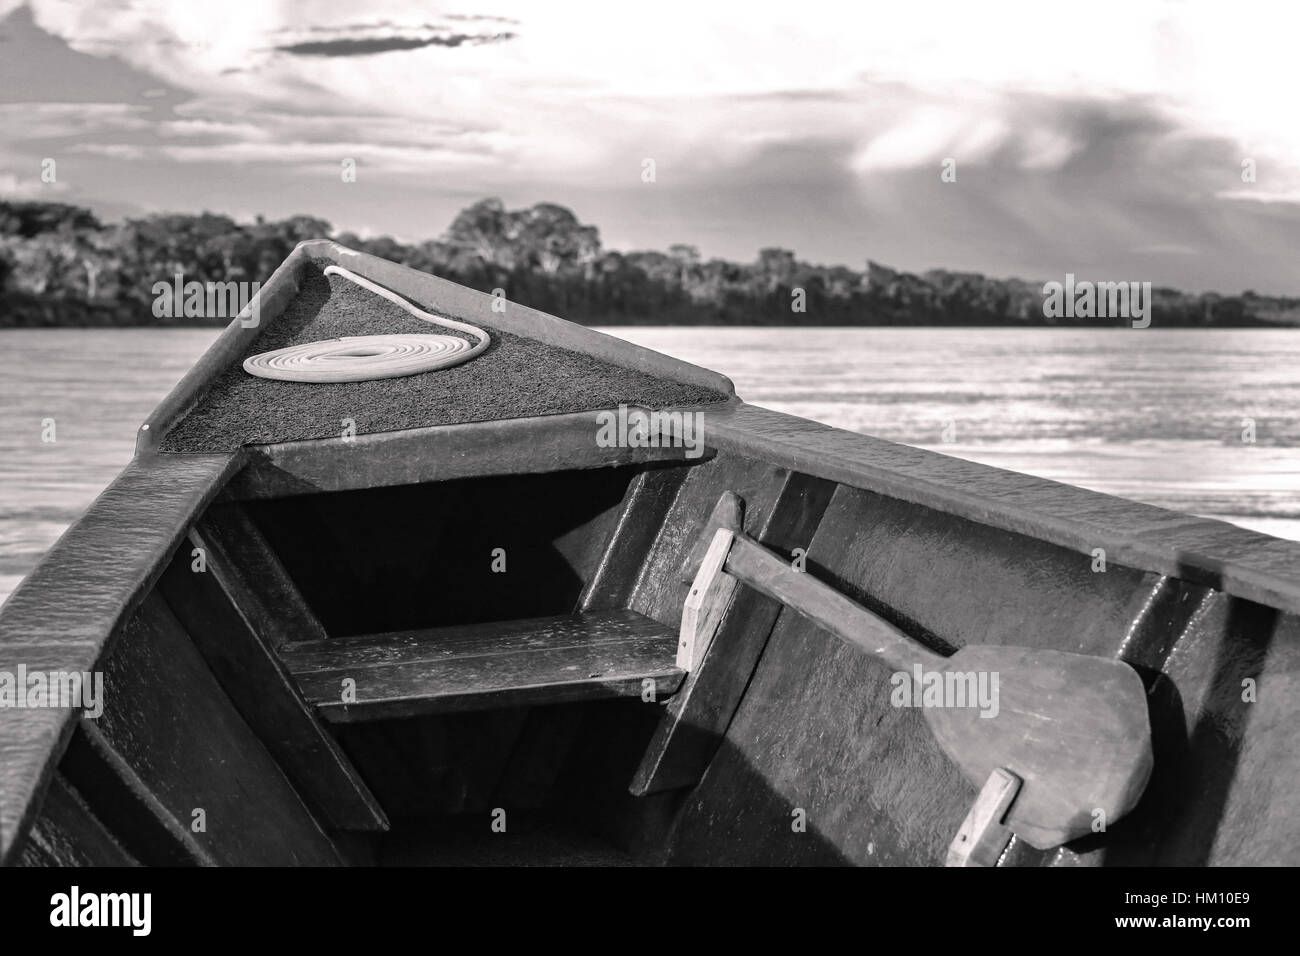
1158 416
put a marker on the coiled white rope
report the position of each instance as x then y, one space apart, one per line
360 358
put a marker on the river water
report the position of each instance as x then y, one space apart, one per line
1202 421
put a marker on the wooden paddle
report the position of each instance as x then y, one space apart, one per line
1074 728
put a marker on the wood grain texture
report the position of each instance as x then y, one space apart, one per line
67 833
983 836
182 738
1072 727
128 807
213 606
247 565
706 602
830 610
728 513
697 716
644 509
1227 769
587 656
62 615
1242 563
816 730
659 592
447 452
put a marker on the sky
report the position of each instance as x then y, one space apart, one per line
1101 139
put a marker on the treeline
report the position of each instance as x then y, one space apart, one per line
61 266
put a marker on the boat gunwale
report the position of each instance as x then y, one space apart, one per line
73 636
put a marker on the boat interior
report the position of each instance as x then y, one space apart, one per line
459 641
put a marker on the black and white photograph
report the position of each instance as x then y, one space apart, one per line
573 435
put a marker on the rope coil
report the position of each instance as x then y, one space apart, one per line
361 358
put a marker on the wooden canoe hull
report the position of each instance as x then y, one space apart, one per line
220 744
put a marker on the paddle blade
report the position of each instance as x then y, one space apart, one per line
1073 728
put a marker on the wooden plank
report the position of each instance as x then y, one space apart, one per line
697 716
706 602
982 836
468 305
660 592
172 725
67 833
62 614
729 514
1213 553
248 566
414 456
550 660
225 618
127 805
466 640
644 509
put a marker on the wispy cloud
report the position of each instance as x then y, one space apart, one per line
387 37
1077 139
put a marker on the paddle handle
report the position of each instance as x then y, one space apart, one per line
769 574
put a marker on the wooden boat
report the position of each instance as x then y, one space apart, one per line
436 620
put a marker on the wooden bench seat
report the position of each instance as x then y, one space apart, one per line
585 656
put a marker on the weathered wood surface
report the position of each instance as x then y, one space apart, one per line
170 722
141 821
729 514
706 602
67 833
816 740
216 606
1239 562
697 716
1072 727
62 615
644 509
505 447
270 302
249 568
1225 790
660 590
468 305
586 656
983 836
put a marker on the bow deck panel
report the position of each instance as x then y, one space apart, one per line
516 377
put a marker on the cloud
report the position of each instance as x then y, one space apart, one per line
385 37
822 123
40 121
370 46
14 187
